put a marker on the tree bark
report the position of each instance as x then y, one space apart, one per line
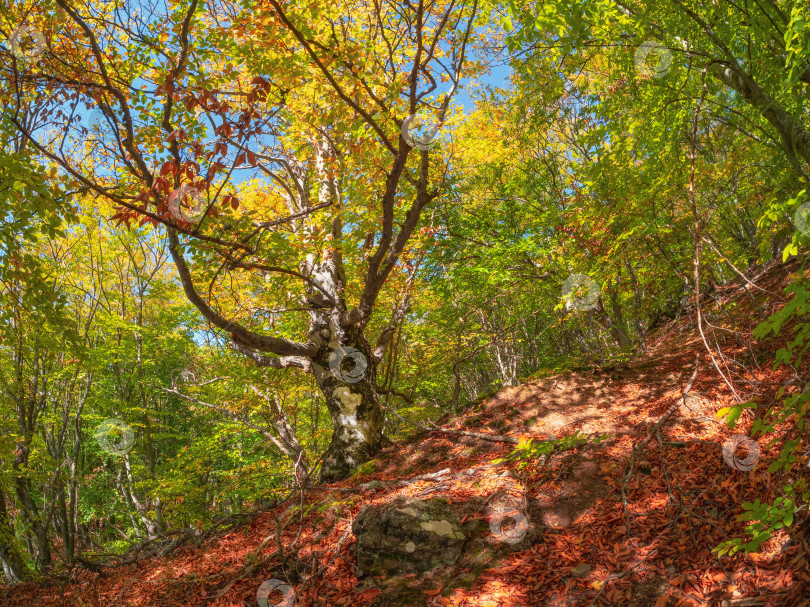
611 324
13 566
357 419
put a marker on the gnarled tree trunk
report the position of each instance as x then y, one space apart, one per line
345 372
357 423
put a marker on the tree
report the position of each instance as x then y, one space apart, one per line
30 211
714 86
321 105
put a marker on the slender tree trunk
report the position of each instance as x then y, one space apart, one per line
33 517
63 523
636 305
153 527
13 566
617 320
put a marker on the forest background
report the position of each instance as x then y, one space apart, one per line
206 207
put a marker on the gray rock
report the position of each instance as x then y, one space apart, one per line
407 536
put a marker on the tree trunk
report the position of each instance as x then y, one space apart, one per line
795 139
357 418
62 523
31 514
611 324
13 566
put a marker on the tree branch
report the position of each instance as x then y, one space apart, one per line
239 334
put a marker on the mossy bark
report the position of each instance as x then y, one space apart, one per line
357 420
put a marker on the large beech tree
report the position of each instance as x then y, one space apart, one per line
133 106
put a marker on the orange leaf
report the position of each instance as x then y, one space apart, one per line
370 593
433 592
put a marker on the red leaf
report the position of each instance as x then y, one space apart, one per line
167 168
371 593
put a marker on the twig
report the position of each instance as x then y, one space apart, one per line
752 601
346 535
697 241
664 466
495 438
710 242
427 477
402 395
248 569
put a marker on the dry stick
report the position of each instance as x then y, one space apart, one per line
671 494
343 538
245 572
751 601
649 436
664 465
162 548
495 438
740 273
697 239
488 437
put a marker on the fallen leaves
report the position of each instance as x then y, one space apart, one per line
370 594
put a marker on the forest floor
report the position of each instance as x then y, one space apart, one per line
683 499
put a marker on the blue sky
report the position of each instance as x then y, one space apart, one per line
498 76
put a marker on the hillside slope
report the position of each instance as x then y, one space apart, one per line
682 499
